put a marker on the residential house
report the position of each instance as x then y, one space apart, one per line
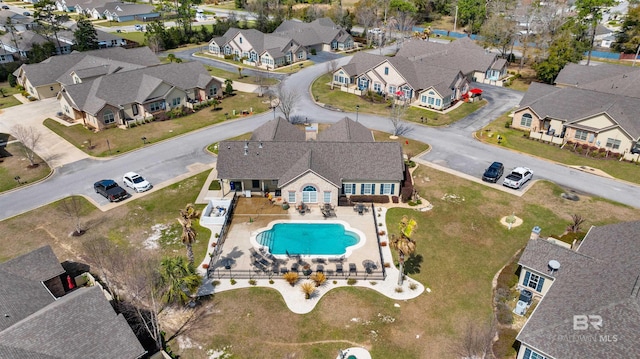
604 36
589 306
79 6
19 22
105 39
103 100
310 167
319 35
590 105
44 314
120 12
475 62
257 49
43 80
6 56
21 43
415 81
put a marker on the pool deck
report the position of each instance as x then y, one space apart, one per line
236 252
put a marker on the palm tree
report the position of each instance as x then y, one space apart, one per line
189 234
178 279
403 243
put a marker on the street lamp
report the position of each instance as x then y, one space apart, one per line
357 110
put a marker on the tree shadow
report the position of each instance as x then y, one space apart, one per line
413 263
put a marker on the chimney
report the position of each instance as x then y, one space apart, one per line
535 233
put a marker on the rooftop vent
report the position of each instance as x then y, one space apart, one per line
554 266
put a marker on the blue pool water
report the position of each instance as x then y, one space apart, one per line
308 239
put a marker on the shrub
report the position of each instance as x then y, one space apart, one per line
233 281
291 277
271 281
335 282
413 286
383 244
253 282
319 278
399 290
382 233
313 51
369 198
386 264
373 282
351 281
216 282
504 314
308 288
585 146
395 199
507 124
205 266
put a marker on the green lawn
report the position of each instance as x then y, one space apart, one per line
114 140
519 140
348 102
14 164
7 99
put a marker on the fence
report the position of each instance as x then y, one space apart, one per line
223 234
546 138
375 222
352 90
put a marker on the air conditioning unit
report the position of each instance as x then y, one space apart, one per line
526 296
521 308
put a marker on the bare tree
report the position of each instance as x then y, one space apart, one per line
398 111
576 223
30 139
287 100
261 81
476 341
72 207
366 14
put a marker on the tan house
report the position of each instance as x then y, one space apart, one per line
319 35
44 79
597 109
589 296
341 161
416 82
149 93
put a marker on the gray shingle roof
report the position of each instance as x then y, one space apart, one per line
578 75
606 285
335 161
136 85
125 9
25 40
40 265
278 130
68 35
319 31
346 130
80 325
20 297
260 42
58 68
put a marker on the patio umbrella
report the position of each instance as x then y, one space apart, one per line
475 91
227 262
368 265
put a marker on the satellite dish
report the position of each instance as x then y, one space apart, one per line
554 265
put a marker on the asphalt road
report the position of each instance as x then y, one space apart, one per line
452 147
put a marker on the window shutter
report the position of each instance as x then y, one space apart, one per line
540 284
527 354
526 278
381 188
373 188
393 188
362 188
353 188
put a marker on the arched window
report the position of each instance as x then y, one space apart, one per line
309 194
526 120
108 117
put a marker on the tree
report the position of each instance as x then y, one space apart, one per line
366 14
590 12
86 36
576 223
49 21
239 72
403 243
72 208
404 13
471 12
397 112
156 36
332 66
189 234
565 48
179 280
476 342
287 100
228 87
628 39
30 139
498 32
171 57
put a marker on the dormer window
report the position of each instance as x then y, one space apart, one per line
386 70
240 40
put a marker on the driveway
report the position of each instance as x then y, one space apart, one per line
52 148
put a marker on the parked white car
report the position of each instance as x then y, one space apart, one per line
136 182
518 177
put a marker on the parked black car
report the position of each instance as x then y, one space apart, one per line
493 173
110 190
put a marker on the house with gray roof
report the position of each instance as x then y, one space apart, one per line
37 321
590 307
100 98
594 106
22 43
319 35
19 22
44 79
120 11
105 39
311 168
255 48
413 80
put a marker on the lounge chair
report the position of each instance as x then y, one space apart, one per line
284 270
352 268
294 267
339 269
320 268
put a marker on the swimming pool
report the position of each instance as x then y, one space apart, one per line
314 239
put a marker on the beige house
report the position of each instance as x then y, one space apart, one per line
400 78
136 95
44 79
319 35
597 109
589 296
343 160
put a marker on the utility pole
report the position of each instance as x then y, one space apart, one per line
635 58
455 19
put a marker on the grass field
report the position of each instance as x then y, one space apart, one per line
14 164
7 99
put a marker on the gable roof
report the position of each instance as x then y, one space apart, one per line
602 280
39 265
277 46
277 130
285 160
319 31
578 75
137 85
24 40
68 35
58 68
125 9
346 130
